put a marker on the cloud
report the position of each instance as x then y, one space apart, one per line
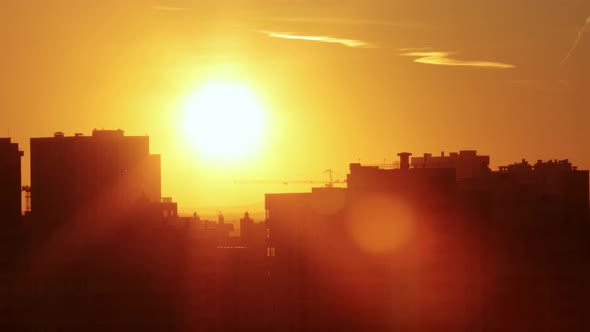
413 49
577 40
443 59
323 39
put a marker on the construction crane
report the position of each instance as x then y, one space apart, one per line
329 183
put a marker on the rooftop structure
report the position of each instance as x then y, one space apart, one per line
467 163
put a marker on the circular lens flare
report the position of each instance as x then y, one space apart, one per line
380 224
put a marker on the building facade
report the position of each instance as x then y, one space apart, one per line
10 182
440 244
467 163
92 177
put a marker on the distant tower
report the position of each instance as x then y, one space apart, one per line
246 224
404 160
10 182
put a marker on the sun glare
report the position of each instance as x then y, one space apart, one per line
224 121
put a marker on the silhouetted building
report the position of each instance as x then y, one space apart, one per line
252 234
402 179
223 229
466 163
427 244
323 245
10 182
552 191
129 262
96 177
439 244
294 230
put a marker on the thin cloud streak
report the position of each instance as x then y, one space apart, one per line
577 41
443 59
414 49
323 39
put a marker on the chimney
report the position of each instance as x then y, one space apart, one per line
404 160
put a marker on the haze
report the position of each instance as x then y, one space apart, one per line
339 81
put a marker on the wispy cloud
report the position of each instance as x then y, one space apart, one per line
414 49
577 40
323 39
444 59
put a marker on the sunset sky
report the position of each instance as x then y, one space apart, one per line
337 82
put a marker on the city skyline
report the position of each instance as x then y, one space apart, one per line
336 82
444 160
423 243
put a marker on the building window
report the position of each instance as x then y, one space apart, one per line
270 251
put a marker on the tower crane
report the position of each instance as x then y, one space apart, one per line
329 183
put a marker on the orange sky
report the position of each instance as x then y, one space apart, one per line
341 81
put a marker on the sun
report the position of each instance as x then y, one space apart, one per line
224 121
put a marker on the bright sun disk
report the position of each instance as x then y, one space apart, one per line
224 121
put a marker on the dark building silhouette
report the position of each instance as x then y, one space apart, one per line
558 190
324 278
223 229
466 163
438 244
91 177
423 244
253 234
105 252
10 183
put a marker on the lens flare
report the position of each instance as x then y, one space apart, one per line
380 223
